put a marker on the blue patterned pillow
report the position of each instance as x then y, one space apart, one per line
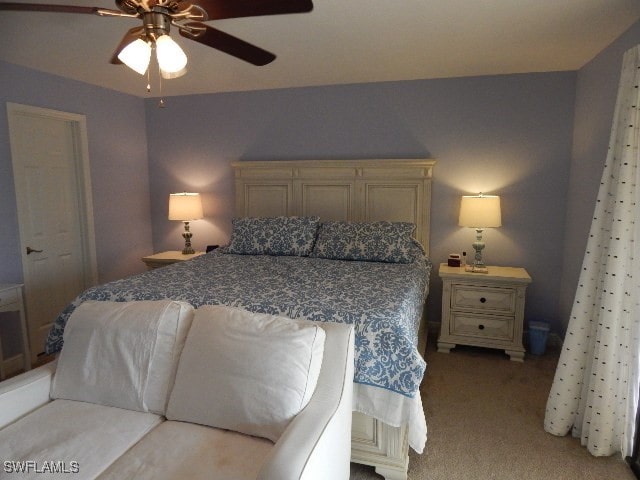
389 242
292 236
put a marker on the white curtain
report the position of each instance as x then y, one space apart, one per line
595 389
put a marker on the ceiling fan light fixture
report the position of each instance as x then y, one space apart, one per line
136 56
171 58
157 16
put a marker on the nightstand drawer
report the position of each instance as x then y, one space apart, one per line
496 300
484 326
8 297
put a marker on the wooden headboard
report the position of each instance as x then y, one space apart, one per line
397 190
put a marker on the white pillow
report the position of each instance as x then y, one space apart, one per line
122 354
247 372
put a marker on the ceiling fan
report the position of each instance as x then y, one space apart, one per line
188 16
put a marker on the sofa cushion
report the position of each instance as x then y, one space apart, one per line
247 372
176 450
122 354
82 438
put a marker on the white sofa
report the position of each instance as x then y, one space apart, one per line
158 390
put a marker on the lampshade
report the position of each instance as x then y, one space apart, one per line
185 206
480 211
136 56
171 58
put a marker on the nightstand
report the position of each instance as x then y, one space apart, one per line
167 258
11 301
483 309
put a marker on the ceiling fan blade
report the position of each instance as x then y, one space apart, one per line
228 44
42 7
129 37
219 9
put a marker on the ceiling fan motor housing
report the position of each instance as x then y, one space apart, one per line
156 22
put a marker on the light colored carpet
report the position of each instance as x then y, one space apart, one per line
485 418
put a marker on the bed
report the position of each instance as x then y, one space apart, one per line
286 258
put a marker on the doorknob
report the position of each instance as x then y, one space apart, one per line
31 250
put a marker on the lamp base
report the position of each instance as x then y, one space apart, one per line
478 246
188 249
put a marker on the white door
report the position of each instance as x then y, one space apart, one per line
50 169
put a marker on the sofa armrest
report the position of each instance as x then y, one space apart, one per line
317 443
24 393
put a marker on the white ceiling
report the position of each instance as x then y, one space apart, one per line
339 42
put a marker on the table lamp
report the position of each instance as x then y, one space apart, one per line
185 207
479 212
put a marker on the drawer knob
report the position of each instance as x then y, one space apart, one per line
482 299
481 327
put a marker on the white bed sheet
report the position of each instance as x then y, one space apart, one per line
393 410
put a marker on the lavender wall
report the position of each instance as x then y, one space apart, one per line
596 91
118 162
509 135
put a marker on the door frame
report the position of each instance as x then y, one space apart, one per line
83 180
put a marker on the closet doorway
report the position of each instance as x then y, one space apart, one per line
49 152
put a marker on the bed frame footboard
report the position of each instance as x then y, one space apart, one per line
382 446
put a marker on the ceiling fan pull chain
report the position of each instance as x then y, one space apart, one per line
161 102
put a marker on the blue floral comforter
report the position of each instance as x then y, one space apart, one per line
383 300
